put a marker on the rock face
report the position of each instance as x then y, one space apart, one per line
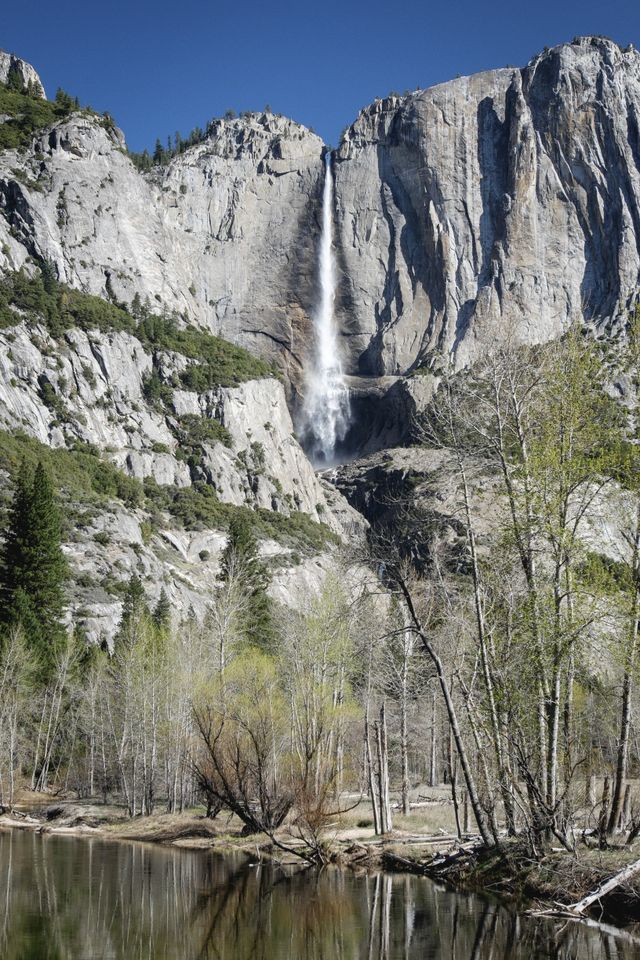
11 66
507 202
224 234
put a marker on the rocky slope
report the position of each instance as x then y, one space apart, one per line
189 460
224 234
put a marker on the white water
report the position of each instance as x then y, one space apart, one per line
325 414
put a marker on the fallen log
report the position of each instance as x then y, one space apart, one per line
577 910
582 905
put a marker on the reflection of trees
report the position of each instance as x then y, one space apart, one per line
63 898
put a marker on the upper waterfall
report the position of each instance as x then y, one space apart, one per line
325 413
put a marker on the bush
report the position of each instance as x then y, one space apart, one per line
156 391
193 432
57 306
220 363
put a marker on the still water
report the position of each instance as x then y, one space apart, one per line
72 898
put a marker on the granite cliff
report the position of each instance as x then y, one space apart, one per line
508 200
501 205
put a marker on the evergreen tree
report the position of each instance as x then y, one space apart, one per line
33 566
14 78
134 608
49 277
162 612
240 558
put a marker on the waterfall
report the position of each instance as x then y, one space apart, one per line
325 414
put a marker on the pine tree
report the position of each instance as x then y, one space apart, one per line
134 609
240 558
49 277
15 80
162 612
33 567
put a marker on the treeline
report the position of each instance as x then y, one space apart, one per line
256 710
247 710
174 146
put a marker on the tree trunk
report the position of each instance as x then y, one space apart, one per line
627 685
433 772
383 773
452 715
373 785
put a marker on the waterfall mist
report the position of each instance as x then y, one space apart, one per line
325 413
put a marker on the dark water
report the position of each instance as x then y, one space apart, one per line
72 898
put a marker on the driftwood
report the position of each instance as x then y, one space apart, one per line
577 910
629 871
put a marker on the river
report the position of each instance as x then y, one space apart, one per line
83 898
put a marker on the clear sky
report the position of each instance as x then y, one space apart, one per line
170 65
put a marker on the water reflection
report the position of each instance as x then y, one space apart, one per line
68 898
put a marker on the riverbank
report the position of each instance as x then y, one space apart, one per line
559 878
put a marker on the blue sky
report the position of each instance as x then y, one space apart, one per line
164 66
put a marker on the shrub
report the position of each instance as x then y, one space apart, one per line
156 391
27 114
193 432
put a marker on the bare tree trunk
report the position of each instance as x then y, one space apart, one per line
625 816
433 773
404 756
451 714
630 659
373 786
454 788
604 815
386 824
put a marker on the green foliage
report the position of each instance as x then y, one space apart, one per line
134 610
241 562
193 432
602 575
196 507
296 530
80 472
156 391
28 114
43 300
162 612
219 363
33 567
